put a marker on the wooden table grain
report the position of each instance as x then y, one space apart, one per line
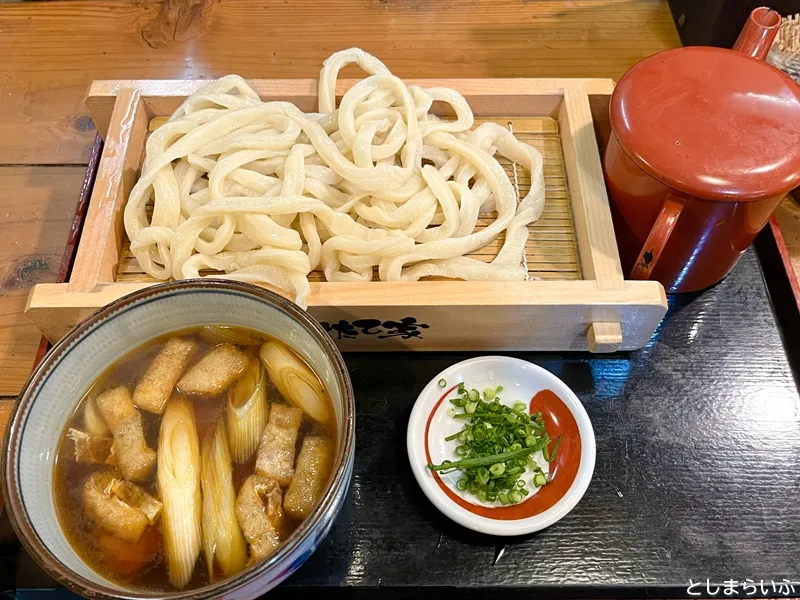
36 209
52 50
788 217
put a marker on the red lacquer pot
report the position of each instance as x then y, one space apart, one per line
705 144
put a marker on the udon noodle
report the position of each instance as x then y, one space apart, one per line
266 193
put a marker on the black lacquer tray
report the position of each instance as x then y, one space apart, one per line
697 477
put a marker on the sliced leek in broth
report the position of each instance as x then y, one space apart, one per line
203 513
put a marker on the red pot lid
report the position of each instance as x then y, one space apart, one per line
711 122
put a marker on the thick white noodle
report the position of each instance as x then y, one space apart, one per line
264 193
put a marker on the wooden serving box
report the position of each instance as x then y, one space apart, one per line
576 297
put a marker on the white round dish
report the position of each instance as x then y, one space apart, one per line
570 472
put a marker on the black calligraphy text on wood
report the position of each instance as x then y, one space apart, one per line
406 328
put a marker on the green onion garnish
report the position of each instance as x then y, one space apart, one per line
552 456
442 383
497 468
495 448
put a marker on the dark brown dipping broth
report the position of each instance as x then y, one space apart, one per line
70 476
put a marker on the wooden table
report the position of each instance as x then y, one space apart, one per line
788 220
51 51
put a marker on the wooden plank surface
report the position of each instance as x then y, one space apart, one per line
512 97
36 213
595 230
116 176
788 217
51 51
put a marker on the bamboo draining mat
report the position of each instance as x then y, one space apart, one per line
551 251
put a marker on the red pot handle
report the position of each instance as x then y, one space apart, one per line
659 235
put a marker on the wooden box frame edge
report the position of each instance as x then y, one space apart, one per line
601 313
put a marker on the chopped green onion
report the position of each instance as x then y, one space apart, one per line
482 475
540 444
455 436
442 383
497 469
478 461
499 389
552 455
495 446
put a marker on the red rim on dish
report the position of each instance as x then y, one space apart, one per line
558 421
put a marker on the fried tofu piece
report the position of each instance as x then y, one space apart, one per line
110 512
135 496
135 459
154 388
261 517
215 372
275 458
91 449
314 464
